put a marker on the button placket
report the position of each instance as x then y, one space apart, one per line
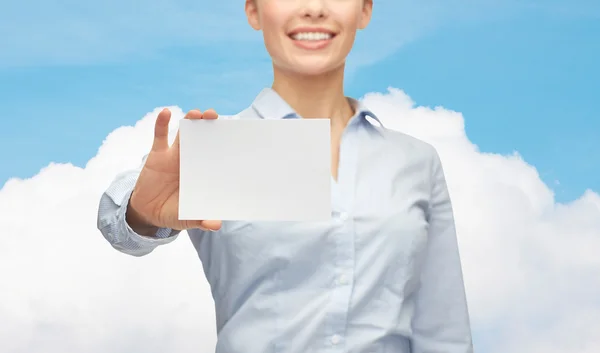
344 241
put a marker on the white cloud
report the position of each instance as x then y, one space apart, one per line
531 265
64 290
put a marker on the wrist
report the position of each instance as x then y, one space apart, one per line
138 222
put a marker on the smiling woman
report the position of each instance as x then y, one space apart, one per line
308 45
382 275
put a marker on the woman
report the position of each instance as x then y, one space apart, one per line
383 275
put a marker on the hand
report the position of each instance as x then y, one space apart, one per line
154 202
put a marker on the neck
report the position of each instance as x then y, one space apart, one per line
315 96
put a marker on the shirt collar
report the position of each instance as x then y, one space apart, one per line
269 105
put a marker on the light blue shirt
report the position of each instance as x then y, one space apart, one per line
382 276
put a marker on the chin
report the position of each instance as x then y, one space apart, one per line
313 69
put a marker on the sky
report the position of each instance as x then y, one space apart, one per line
507 91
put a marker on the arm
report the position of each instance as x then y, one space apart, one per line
113 217
441 322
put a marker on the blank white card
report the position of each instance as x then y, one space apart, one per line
255 170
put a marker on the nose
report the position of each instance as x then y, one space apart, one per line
314 8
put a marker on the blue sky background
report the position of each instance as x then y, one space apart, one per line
525 74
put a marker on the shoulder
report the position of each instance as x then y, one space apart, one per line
418 159
411 147
407 145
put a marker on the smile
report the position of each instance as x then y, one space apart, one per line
311 36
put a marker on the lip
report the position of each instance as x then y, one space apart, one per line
313 44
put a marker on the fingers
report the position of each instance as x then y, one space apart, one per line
196 114
161 131
210 114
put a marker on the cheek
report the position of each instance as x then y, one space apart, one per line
273 30
350 22
273 43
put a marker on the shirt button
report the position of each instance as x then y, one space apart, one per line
343 216
335 339
342 280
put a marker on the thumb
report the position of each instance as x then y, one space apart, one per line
203 225
161 131
210 225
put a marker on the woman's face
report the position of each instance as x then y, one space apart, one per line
308 37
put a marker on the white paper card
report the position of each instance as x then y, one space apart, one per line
255 170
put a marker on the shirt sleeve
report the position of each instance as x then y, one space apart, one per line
112 222
441 322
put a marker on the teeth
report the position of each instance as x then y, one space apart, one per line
311 36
